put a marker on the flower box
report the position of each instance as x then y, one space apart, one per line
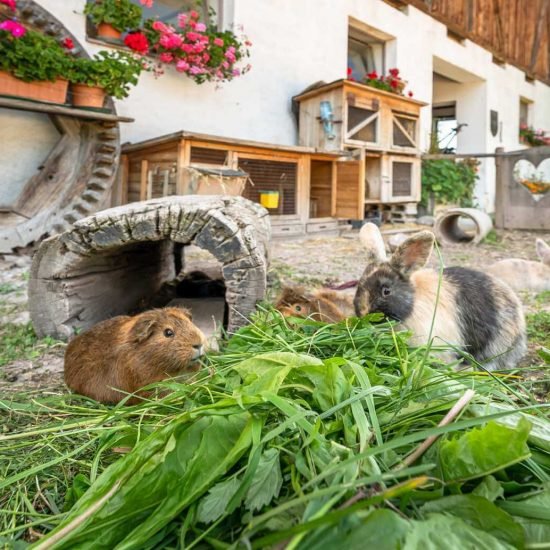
51 92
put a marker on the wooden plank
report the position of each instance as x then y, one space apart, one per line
122 197
49 108
542 20
184 156
143 180
348 189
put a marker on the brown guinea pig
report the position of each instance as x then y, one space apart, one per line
126 353
328 306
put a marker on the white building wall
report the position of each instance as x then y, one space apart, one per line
299 42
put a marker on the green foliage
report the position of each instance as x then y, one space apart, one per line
449 181
33 57
294 435
8 288
538 327
20 342
115 72
121 14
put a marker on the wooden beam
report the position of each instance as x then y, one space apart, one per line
143 180
63 110
542 19
184 157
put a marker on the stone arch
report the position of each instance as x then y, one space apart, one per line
107 263
76 178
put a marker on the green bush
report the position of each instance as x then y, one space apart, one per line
449 181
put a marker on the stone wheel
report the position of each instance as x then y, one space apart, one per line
109 262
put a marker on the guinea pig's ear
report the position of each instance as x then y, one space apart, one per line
413 253
143 329
187 313
543 251
290 296
373 243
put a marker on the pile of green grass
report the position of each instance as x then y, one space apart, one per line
300 435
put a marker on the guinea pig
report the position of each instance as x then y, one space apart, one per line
126 353
328 306
475 312
524 274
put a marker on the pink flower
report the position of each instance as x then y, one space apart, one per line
200 27
16 29
170 41
162 27
182 65
182 20
9 3
166 57
193 36
146 3
196 70
194 14
236 72
218 42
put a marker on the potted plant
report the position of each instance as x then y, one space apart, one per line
113 17
108 73
32 65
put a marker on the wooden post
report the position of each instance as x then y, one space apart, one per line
500 189
122 187
333 189
184 158
143 180
303 191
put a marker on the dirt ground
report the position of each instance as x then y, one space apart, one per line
27 365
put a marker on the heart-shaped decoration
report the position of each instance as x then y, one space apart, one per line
535 179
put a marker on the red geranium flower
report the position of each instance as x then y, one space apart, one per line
349 71
394 83
394 72
68 43
373 75
410 94
138 42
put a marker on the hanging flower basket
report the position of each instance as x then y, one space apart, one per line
51 92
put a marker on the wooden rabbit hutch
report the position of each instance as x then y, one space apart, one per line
381 129
304 190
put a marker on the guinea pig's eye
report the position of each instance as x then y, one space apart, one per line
298 308
386 291
168 332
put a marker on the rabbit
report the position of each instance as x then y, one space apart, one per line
126 353
475 312
324 305
525 274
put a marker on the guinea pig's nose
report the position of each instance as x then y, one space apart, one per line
198 351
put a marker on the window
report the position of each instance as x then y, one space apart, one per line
167 10
445 127
525 108
365 54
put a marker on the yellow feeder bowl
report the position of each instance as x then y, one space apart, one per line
269 199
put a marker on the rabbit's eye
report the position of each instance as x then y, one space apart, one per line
168 332
386 291
298 308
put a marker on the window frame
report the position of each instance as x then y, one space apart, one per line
368 43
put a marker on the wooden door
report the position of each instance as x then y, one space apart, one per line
349 189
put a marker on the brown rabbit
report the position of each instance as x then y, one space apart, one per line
475 312
525 274
328 306
126 353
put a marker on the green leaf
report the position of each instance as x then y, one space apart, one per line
482 451
442 532
544 354
481 514
214 504
540 427
533 514
382 529
266 482
489 488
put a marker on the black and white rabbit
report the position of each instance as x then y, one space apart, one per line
475 312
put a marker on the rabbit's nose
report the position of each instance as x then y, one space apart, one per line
198 351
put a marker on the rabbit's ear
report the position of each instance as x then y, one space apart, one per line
413 253
372 241
543 251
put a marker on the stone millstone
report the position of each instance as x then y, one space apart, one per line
109 262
